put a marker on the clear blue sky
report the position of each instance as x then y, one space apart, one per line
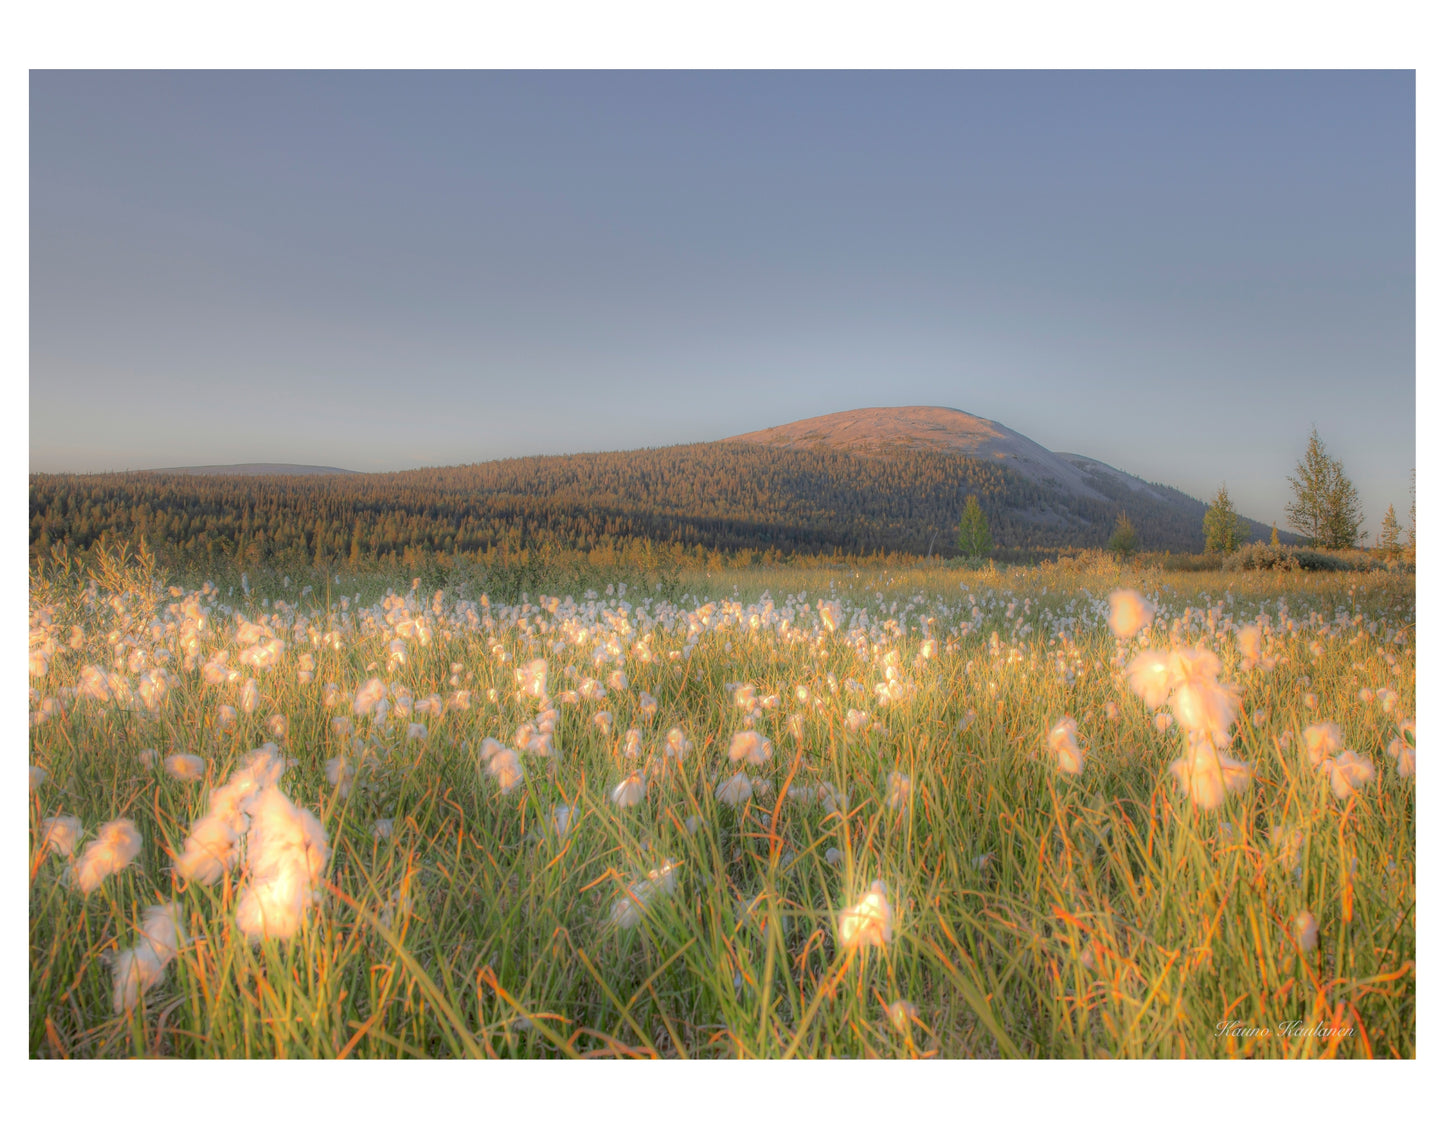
1178 273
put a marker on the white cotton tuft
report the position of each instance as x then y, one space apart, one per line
368 697
833 798
1207 776
1250 640
1402 750
214 843
1347 772
341 775
750 747
186 766
676 744
135 972
59 834
209 850
735 790
1322 740
870 922
627 910
1149 677
632 744
1129 613
506 768
111 851
630 792
1203 707
489 748
1064 745
162 930
1306 930
286 853
532 679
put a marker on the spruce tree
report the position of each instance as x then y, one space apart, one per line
1412 508
1326 506
974 538
1223 528
1390 533
1124 540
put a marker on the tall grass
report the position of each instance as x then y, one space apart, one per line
1036 915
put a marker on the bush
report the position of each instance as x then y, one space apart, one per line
1084 560
1186 562
1260 555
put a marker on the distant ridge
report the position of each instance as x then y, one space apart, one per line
877 480
251 469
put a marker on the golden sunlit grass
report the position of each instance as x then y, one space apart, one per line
893 866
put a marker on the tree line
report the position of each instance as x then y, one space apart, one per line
720 496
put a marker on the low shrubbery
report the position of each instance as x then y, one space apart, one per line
1288 558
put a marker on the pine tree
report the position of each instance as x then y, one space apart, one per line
1412 508
974 539
1390 533
1124 540
1326 506
1223 528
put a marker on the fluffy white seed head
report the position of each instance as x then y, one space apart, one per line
735 790
630 792
186 766
750 747
1129 613
1206 776
1063 743
870 922
111 851
286 853
59 834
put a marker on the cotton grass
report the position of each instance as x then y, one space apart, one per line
114 847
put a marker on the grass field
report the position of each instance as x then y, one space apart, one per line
897 864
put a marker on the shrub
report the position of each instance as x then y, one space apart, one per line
1260 555
1084 560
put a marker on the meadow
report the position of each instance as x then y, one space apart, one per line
791 812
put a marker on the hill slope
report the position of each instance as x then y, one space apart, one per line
887 480
885 431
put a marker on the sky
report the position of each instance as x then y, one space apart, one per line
1179 273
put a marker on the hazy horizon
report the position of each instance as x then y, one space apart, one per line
1176 273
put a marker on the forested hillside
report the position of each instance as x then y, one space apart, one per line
724 496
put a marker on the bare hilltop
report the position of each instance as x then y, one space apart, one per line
883 431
